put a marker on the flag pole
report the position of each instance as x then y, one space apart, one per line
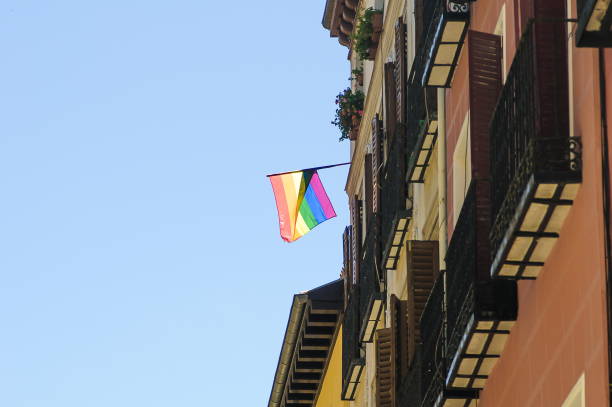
308 169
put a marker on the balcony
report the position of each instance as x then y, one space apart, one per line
481 311
447 23
352 360
370 294
432 334
409 393
594 23
422 125
535 164
395 213
433 389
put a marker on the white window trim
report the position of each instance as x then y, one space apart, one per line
463 154
576 397
500 29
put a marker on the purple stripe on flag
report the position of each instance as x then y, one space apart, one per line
317 187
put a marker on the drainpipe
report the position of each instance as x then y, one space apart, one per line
605 174
442 221
442 232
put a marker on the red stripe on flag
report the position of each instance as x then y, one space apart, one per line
281 207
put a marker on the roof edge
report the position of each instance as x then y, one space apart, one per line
327 14
289 342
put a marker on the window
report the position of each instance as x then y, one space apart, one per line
576 396
462 168
500 29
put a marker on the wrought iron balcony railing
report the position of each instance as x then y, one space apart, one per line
432 334
422 126
480 310
535 164
395 212
370 290
594 24
410 387
447 23
433 357
352 360
422 118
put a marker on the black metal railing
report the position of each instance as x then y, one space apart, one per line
472 295
433 339
430 15
593 35
370 272
409 394
434 11
393 184
469 284
529 130
461 275
421 101
350 335
422 109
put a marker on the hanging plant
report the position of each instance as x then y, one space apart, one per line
367 33
357 76
348 113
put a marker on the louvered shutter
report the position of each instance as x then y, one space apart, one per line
485 59
369 186
385 368
377 160
390 104
399 325
526 11
423 269
355 239
346 263
485 74
401 72
551 79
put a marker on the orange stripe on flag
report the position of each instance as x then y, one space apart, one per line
284 219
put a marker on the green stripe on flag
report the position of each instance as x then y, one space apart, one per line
306 213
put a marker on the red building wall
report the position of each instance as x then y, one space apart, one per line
560 332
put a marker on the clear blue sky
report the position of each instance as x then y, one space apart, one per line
140 259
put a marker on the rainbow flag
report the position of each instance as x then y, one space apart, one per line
301 201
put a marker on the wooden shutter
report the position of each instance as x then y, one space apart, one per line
369 186
485 59
401 72
485 74
377 161
390 104
385 368
355 238
551 78
399 325
346 263
423 269
526 11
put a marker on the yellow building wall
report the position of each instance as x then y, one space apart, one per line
331 388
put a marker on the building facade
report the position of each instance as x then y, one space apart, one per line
477 263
